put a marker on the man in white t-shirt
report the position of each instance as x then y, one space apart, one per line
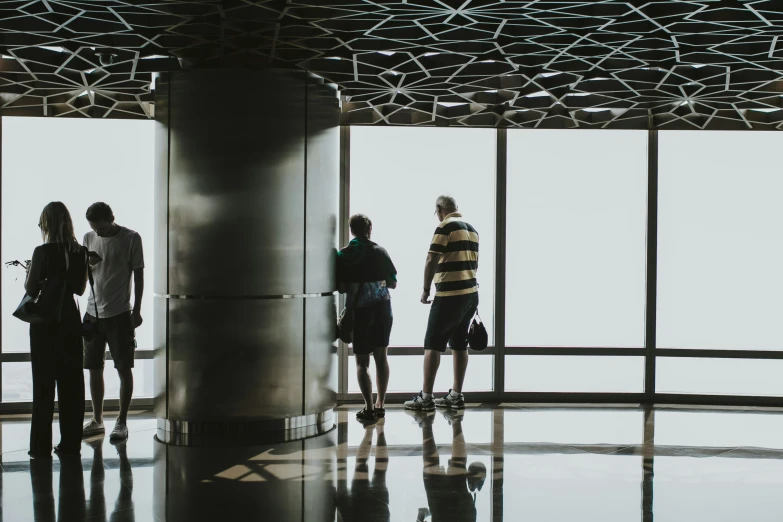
115 255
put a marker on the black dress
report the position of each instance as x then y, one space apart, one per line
56 355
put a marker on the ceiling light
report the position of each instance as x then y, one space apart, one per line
451 104
431 54
550 74
153 57
8 57
597 109
538 94
56 49
387 53
333 58
84 93
767 110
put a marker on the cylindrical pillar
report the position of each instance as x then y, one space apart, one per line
246 221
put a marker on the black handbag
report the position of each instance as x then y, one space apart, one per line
345 323
47 306
478 339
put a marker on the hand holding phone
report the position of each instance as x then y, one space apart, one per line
93 258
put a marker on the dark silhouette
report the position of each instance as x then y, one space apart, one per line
56 347
451 492
368 499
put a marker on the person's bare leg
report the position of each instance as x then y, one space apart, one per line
460 369
363 376
431 363
96 392
381 375
126 392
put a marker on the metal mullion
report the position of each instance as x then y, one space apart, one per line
719 354
650 333
501 185
575 351
109 405
344 210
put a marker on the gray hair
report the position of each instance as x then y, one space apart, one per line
447 203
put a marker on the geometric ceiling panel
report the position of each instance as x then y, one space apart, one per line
482 63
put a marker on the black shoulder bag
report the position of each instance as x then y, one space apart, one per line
47 306
346 321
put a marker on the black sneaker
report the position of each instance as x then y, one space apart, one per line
449 401
419 403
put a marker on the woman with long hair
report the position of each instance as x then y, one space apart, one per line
56 346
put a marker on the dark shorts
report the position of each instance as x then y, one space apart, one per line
449 322
120 335
371 327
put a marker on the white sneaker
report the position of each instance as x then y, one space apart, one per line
93 428
119 433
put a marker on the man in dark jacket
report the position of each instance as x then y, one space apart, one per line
365 272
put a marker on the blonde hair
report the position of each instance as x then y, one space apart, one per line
57 227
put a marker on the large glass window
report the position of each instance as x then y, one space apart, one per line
577 204
574 374
396 176
720 247
78 162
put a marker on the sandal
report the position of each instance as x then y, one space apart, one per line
366 415
380 412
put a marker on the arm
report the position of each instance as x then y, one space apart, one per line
32 284
138 290
82 285
430 268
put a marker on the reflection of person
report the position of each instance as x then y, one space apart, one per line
451 492
122 256
452 263
366 272
367 500
71 505
123 506
55 347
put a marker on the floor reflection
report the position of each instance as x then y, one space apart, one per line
486 464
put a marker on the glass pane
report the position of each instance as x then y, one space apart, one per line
396 176
407 374
118 170
142 380
718 430
561 426
17 381
557 373
576 238
719 243
719 376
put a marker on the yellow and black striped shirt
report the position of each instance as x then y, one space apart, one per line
457 242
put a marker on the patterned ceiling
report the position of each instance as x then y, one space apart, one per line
603 64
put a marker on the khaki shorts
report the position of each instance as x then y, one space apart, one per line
120 335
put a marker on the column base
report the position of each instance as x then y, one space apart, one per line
270 431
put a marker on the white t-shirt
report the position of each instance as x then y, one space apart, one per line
122 254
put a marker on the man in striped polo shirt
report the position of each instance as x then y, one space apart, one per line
452 262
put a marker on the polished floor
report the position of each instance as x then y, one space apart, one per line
501 463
